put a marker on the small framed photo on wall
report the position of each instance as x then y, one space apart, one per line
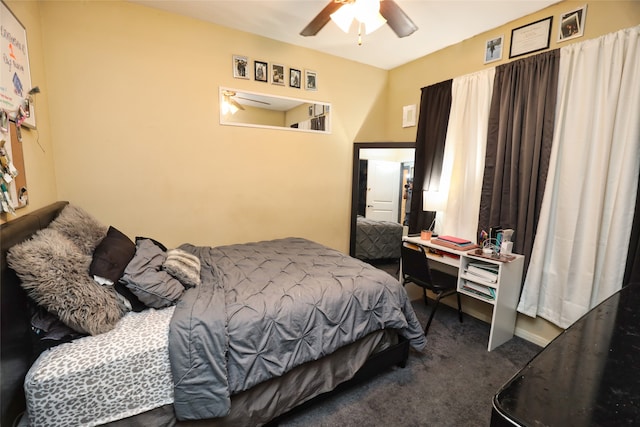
277 74
493 49
260 71
240 67
572 24
310 80
295 76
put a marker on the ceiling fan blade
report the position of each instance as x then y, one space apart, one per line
253 100
399 21
321 19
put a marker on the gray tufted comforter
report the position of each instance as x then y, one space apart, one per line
377 239
266 307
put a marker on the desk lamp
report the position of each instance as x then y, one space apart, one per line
433 201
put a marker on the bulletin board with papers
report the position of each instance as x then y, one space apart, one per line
15 74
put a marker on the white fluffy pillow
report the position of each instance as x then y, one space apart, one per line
55 274
79 227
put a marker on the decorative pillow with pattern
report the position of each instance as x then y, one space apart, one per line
183 266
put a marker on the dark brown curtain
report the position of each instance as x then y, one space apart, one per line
435 105
519 140
632 269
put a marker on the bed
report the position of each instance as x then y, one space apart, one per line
377 240
318 320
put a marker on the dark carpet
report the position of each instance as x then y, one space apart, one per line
450 383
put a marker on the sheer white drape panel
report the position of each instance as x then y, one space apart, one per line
464 152
581 245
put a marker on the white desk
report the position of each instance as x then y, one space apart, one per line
506 288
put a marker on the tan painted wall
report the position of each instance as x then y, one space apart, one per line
405 82
134 116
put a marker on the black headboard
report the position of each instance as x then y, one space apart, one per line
16 350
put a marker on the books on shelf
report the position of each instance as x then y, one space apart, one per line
476 288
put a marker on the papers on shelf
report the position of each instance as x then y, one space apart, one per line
488 272
485 291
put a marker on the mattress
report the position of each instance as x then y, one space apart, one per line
102 378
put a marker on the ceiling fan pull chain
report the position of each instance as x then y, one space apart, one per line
359 33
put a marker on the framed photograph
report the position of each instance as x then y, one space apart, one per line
409 116
295 76
531 37
240 67
310 80
260 71
277 74
493 49
572 24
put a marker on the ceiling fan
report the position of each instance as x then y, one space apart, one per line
397 19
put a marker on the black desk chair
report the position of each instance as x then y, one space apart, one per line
415 269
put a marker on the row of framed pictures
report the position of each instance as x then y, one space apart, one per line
275 73
537 35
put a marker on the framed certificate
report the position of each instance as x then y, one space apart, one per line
531 37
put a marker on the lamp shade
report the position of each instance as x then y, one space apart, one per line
366 12
433 201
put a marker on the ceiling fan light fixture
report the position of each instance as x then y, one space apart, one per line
228 104
366 12
344 16
373 22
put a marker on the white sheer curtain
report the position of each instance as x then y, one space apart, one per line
464 153
580 249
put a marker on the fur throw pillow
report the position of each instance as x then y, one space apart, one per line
55 274
80 227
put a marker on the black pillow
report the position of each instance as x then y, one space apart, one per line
112 255
136 304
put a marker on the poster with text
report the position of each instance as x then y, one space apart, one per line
15 75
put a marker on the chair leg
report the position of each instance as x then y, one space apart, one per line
426 328
424 296
459 307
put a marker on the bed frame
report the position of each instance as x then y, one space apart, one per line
18 349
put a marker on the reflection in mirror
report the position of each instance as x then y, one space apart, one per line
243 108
380 180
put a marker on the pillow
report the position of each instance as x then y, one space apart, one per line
79 227
145 277
112 255
55 274
183 266
134 301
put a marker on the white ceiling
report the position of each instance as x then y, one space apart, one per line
441 23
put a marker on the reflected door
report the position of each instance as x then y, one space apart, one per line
383 190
